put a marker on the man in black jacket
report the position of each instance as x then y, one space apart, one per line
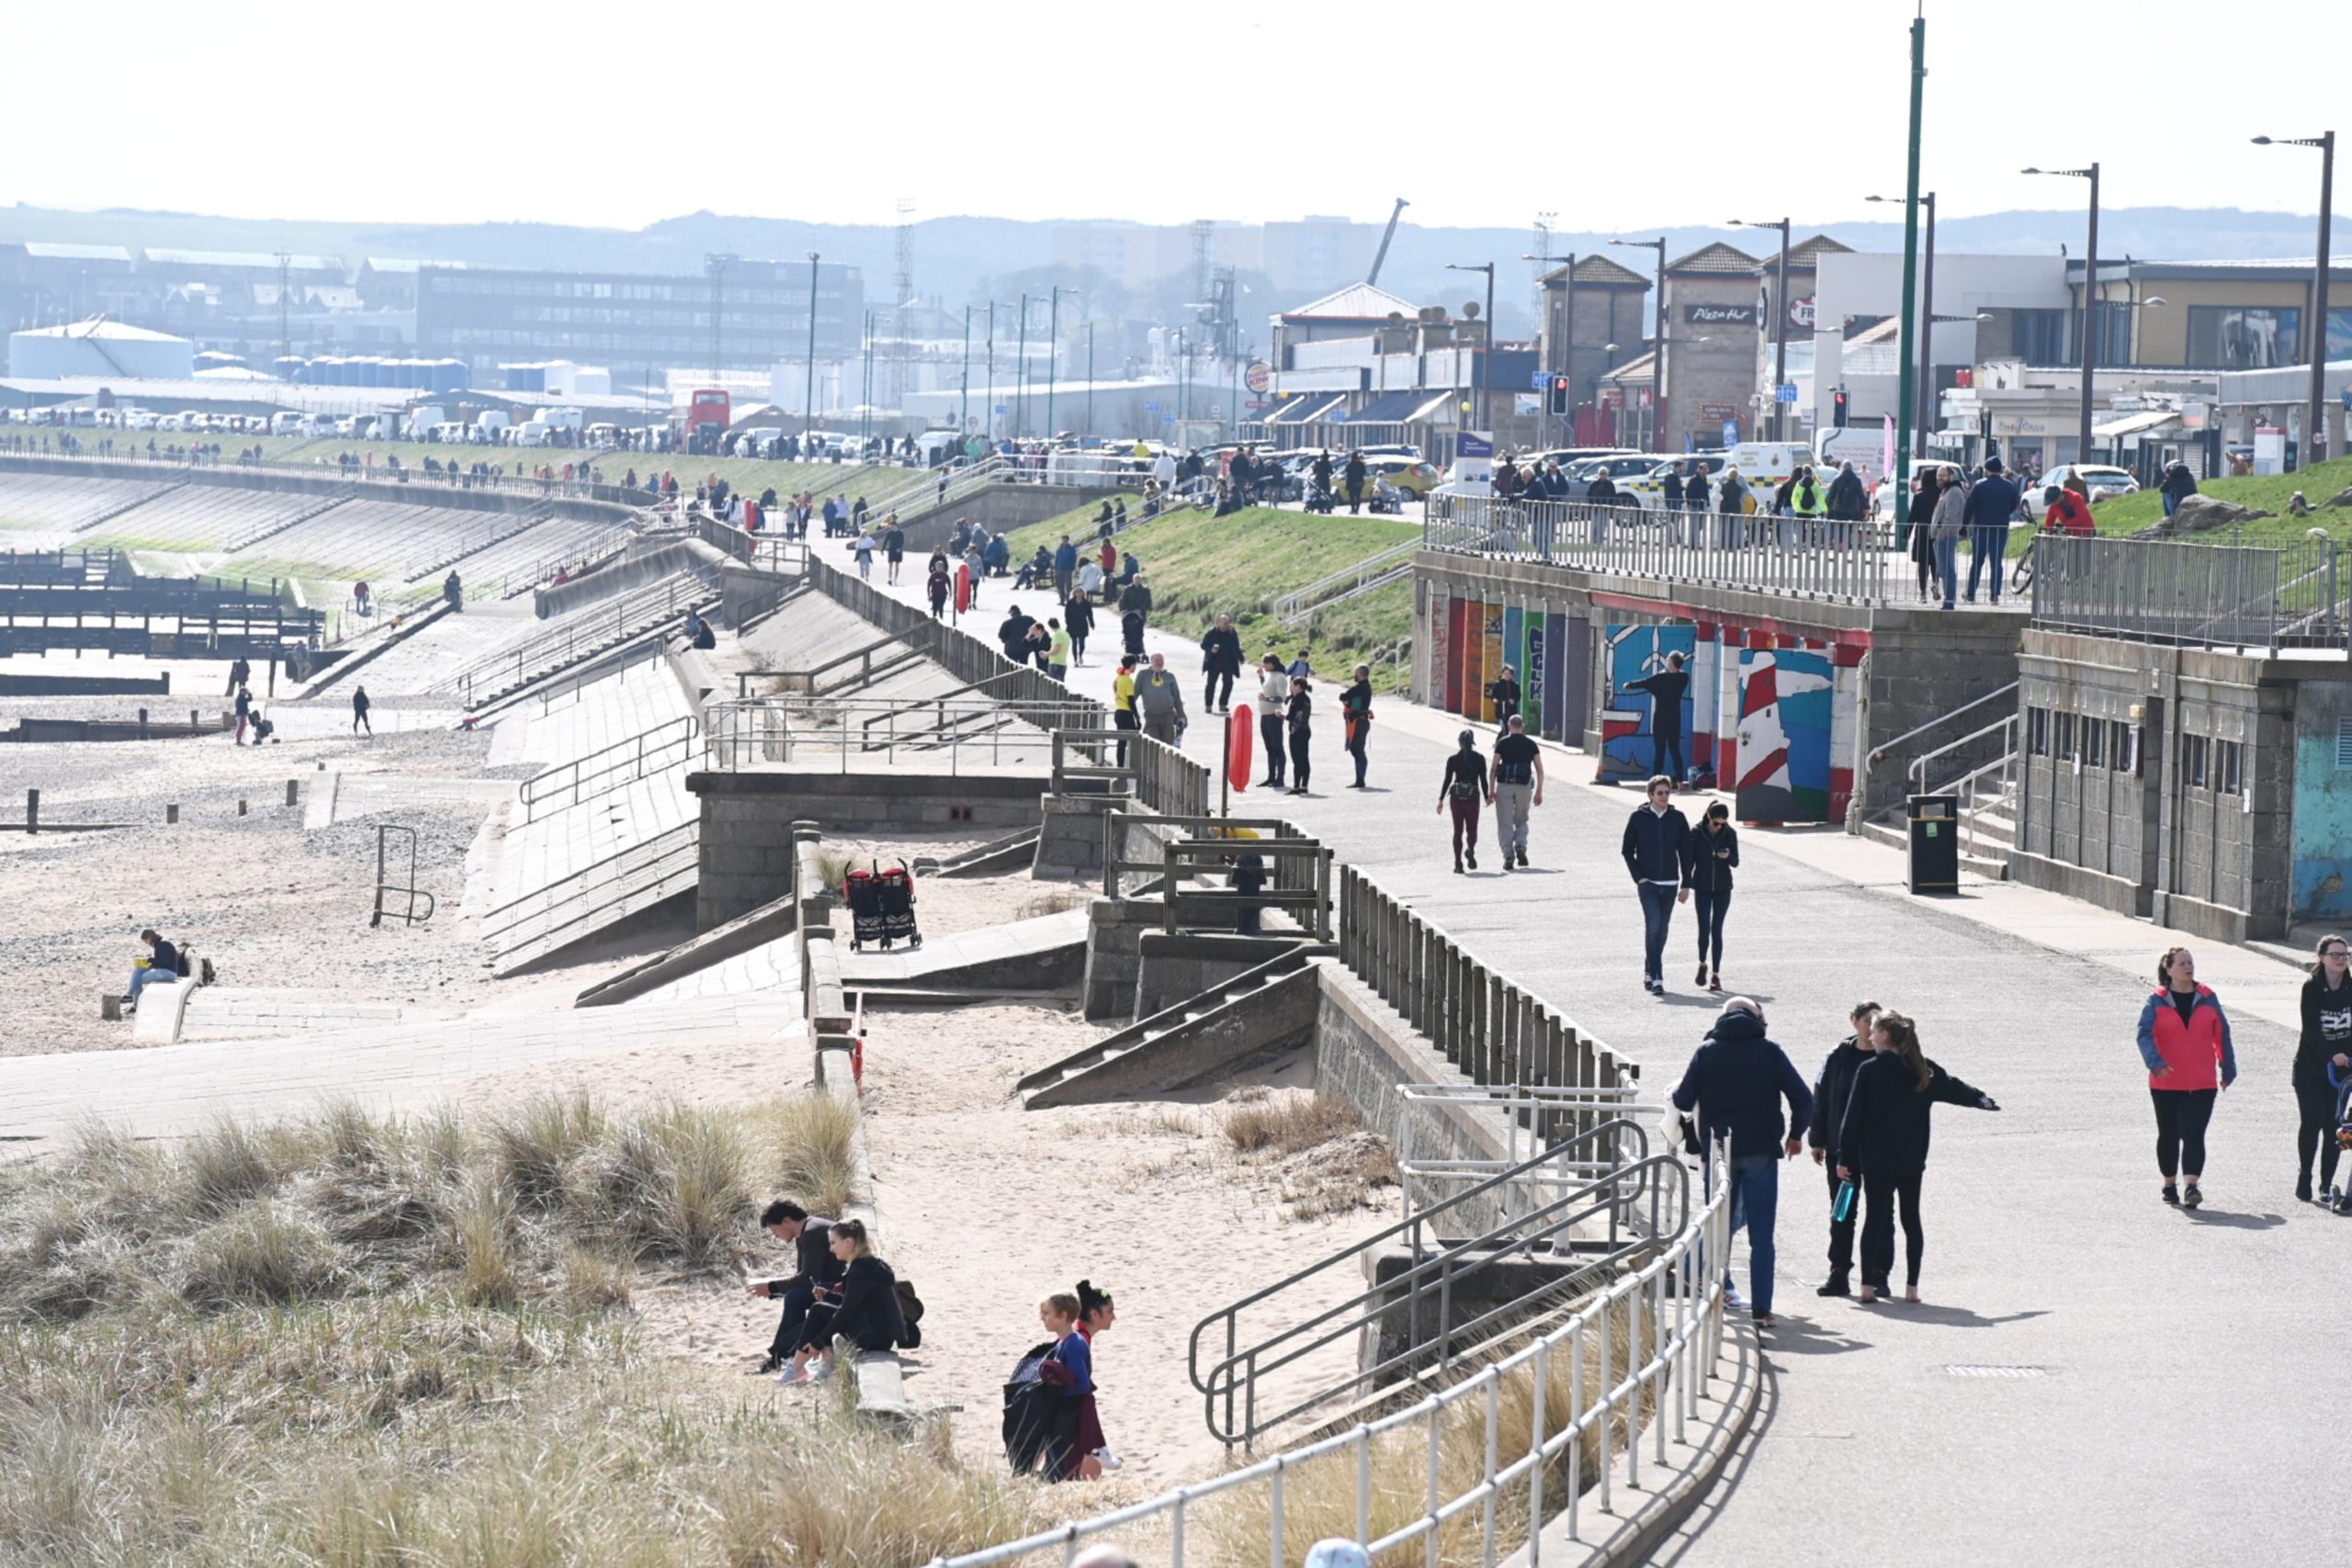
1012 634
163 963
1847 498
1737 1081
814 1265
1354 474
1830 1091
1655 837
1221 659
1667 689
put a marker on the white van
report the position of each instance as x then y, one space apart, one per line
446 432
490 425
1762 465
1865 449
285 421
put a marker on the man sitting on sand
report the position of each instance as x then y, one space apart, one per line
811 1237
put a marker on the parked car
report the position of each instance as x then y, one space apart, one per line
2102 480
1646 487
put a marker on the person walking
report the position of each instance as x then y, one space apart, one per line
894 545
1882 1145
245 706
1848 501
1123 702
1504 693
1655 835
1737 1081
2326 1039
1057 650
239 671
1949 517
2184 1038
1159 701
1065 566
1078 616
1220 664
1274 693
1135 611
1518 789
1355 713
1298 715
359 706
863 550
1667 689
1992 501
1919 518
1695 502
1012 634
936 586
1353 477
1832 1087
1459 791
1708 857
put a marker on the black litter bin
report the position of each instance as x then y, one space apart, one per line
1932 865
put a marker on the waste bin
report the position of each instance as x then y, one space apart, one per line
1933 864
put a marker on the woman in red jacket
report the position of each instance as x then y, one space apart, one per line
2185 1040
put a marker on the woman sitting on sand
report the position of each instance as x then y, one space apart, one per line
863 1309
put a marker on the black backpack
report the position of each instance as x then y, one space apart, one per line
910 1317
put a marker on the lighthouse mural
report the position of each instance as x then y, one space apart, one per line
1784 718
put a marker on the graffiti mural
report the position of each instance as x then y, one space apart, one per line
1784 717
1629 752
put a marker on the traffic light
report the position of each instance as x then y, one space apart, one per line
1559 396
1837 407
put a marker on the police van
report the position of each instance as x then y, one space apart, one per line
1648 488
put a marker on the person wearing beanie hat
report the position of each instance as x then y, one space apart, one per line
1992 501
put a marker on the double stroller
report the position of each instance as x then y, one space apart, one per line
882 907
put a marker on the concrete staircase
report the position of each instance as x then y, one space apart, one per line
116 509
1987 834
593 899
1257 1011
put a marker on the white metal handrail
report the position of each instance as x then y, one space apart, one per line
1658 1332
1337 584
748 732
1917 771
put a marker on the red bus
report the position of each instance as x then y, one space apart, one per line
707 419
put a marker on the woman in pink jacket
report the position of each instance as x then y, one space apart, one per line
2185 1040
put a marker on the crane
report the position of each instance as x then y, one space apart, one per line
1382 254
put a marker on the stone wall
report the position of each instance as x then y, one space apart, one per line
1114 934
416 491
1176 968
746 837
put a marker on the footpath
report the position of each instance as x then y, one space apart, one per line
2079 1343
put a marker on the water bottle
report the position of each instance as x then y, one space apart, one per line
1843 1208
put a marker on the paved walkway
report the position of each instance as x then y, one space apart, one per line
2156 1361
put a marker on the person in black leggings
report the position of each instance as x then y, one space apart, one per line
2185 1041
1883 1145
2326 1040
1708 856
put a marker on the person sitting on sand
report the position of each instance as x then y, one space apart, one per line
816 1265
862 1310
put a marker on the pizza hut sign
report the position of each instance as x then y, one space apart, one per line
1720 315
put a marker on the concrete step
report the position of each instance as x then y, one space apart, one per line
1189 1042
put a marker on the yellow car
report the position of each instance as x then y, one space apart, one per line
1410 475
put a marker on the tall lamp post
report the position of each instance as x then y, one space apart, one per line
1020 374
808 396
716 264
1053 353
1779 323
2090 301
963 396
1658 361
1926 404
2314 432
1486 357
1567 333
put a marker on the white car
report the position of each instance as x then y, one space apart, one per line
2102 480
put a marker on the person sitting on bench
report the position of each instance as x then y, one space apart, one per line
811 1237
162 965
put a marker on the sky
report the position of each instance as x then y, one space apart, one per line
1608 114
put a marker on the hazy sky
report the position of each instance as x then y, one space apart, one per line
1606 113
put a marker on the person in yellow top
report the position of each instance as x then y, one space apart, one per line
1142 452
1122 701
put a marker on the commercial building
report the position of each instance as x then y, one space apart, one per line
1362 366
626 320
1591 325
1716 319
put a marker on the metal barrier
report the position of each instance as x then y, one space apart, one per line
1188 859
387 889
645 611
610 768
2188 594
1339 586
1118 827
1439 1278
1636 1356
747 732
1810 558
1529 1118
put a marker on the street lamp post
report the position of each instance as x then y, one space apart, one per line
964 393
1090 373
1484 375
992 373
1927 389
808 396
1020 374
1053 353
2090 302
1657 360
1780 324
1568 334
2315 437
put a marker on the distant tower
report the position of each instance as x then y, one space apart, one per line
1204 238
902 304
1545 222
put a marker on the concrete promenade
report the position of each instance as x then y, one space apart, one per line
2093 1377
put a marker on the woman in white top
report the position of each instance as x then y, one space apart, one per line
1274 693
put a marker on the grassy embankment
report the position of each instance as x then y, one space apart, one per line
1200 567
2127 514
375 1343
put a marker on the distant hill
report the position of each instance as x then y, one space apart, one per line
956 257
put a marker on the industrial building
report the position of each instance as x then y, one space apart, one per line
99 347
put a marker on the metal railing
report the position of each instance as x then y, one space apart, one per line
1880 753
1435 1291
623 763
1810 558
750 732
1637 1357
1367 573
636 874
2189 595
1529 1119
646 612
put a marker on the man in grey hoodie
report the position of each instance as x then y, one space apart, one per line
1160 700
